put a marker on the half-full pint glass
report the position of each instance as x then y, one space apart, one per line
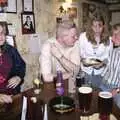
85 98
105 101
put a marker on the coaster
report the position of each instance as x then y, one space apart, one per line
96 117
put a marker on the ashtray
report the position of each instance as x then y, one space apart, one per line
62 104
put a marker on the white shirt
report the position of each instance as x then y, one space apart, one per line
48 62
87 50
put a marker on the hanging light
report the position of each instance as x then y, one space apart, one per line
66 5
69 1
63 9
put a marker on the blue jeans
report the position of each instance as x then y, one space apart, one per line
94 80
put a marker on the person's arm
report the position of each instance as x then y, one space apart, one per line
67 64
5 98
18 70
45 60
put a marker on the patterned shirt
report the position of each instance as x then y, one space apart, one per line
111 74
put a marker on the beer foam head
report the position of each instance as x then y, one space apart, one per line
105 94
85 90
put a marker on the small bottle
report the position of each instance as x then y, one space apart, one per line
59 83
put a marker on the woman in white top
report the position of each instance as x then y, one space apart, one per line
95 44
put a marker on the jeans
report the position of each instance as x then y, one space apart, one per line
93 80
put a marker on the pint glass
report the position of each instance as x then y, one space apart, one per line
105 101
85 98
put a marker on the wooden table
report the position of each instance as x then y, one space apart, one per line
13 111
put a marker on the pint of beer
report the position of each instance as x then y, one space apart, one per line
85 98
105 101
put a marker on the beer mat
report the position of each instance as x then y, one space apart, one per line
96 117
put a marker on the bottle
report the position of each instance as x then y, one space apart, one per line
80 79
59 84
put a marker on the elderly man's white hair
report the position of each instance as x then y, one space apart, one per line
63 26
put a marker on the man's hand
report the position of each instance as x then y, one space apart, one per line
13 82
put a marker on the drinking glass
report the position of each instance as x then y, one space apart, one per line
105 102
37 86
72 81
80 79
85 98
71 85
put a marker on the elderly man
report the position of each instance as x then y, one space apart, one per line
61 52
